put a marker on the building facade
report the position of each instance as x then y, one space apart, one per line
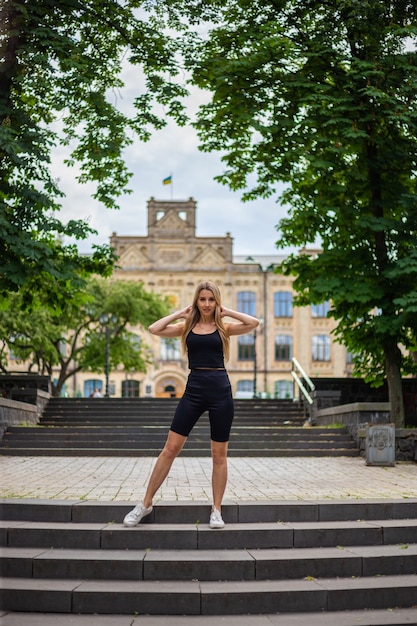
171 260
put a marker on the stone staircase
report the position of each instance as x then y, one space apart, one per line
138 427
311 557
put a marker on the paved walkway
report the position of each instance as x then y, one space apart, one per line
400 617
250 479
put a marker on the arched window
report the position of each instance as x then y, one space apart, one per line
283 304
283 348
246 302
321 348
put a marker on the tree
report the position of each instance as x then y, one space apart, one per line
322 96
58 84
74 341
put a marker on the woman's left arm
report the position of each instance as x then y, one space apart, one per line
244 324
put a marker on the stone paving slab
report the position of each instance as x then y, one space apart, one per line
250 479
397 617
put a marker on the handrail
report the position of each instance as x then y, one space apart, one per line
298 380
298 366
302 388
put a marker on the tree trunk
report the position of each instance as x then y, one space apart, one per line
395 390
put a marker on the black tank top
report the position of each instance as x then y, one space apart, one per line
205 350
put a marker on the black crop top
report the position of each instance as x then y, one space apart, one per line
205 350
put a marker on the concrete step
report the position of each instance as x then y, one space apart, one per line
158 438
121 429
256 430
197 535
112 438
135 409
143 405
158 442
284 557
206 597
133 420
378 617
168 512
249 564
186 452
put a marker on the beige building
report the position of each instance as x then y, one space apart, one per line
171 260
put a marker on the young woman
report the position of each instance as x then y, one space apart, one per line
205 337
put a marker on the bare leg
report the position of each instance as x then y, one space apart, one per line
173 446
219 475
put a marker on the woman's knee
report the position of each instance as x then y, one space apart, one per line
219 452
173 445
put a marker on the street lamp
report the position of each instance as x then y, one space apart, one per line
264 269
255 357
255 364
105 320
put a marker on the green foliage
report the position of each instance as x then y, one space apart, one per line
59 86
322 97
75 340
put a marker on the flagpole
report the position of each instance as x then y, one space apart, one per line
172 186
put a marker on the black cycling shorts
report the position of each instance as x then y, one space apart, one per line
206 390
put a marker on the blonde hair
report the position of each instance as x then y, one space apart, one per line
194 317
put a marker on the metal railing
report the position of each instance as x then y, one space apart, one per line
297 367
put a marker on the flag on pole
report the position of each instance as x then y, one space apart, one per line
167 180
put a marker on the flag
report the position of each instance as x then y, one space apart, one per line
167 180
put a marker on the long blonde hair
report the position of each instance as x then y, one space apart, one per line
194 317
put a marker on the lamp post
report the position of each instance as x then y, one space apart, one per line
255 357
264 322
105 321
255 364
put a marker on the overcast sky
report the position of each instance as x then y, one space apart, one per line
172 150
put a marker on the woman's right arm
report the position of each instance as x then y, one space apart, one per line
166 326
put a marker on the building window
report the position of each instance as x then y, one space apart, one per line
90 386
320 310
245 389
321 348
246 348
283 304
349 357
170 349
245 386
284 389
130 389
283 348
246 302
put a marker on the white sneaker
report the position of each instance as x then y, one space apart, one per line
216 520
136 515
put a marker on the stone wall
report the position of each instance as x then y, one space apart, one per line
332 392
13 413
357 415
